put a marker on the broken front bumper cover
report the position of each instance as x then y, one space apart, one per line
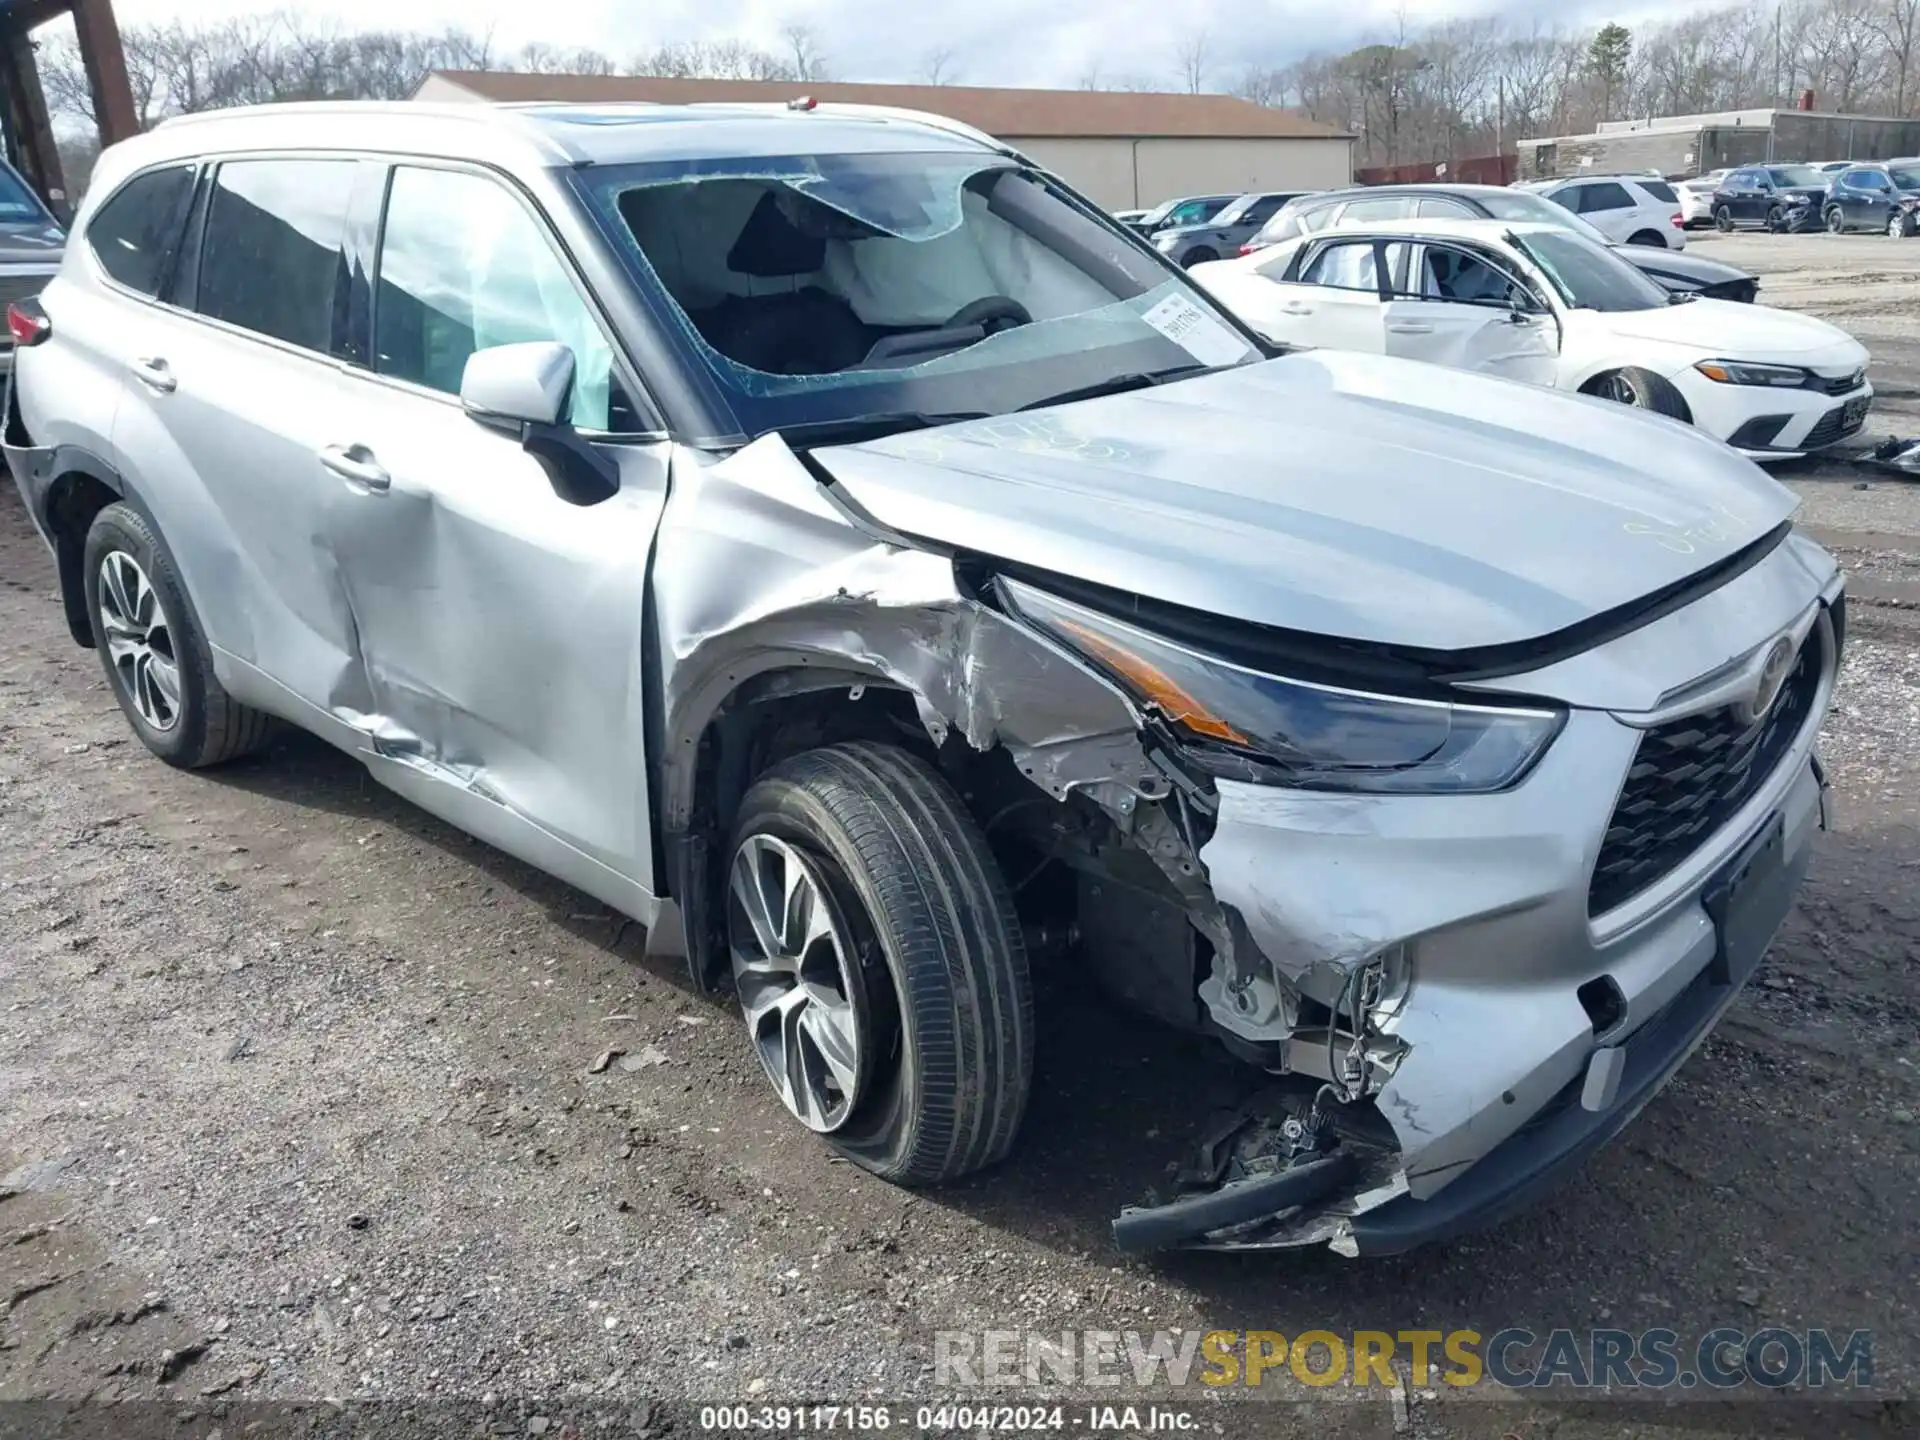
1747 899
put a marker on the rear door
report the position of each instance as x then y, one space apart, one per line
231 392
1328 295
1460 307
1609 207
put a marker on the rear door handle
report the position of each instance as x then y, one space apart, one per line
1411 327
154 373
1294 307
355 465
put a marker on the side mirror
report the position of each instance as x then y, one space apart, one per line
521 384
526 387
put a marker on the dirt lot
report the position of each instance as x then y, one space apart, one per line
295 1094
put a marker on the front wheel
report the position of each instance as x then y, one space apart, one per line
1900 225
1836 222
879 963
1199 255
1641 389
156 660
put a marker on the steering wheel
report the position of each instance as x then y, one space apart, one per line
992 313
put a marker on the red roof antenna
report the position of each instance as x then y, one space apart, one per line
804 102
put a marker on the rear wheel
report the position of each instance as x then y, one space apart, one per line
1199 255
1641 389
156 660
879 963
1648 237
1722 219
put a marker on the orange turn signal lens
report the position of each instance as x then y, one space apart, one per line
1154 685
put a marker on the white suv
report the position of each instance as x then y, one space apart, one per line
1627 209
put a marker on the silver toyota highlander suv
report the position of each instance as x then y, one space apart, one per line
824 537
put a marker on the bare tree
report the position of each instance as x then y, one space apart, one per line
1191 56
938 67
804 47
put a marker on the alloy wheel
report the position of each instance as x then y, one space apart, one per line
795 970
139 640
1897 225
1619 387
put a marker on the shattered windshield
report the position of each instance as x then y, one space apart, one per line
818 288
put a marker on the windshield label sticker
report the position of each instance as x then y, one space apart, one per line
1196 332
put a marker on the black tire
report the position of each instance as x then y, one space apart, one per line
948 998
207 726
1836 221
1199 255
1641 389
1776 220
1652 238
1722 219
1899 225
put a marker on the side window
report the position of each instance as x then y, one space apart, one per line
1603 195
1465 278
1194 212
1744 180
1345 265
1436 206
1262 210
134 233
1660 190
271 261
464 266
1399 207
1311 220
1876 181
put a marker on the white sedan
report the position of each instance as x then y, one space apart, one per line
1536 303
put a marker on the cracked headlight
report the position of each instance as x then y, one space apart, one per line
1739 372
1244 725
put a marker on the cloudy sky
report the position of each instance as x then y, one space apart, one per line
1006 42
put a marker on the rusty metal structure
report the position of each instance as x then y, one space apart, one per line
31 143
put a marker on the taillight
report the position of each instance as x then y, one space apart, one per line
1246 249
1677 221
27 322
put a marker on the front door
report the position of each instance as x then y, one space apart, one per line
500 625
1459 308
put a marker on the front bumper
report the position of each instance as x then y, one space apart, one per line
1509 1072
1764 423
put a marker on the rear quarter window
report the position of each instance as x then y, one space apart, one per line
1661 191
134 234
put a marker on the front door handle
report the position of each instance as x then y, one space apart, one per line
1411 327
154 373
1294 307
355 465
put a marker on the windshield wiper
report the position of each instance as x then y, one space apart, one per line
1118 384
849 429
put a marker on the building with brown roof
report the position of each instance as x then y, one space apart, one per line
1122 149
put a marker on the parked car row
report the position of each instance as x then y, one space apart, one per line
817 533
1539 303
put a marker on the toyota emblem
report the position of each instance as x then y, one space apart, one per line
1767 685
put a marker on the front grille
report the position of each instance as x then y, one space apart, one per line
1689 777
1832 426
20 287
1845 385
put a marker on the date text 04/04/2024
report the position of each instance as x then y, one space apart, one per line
943 1419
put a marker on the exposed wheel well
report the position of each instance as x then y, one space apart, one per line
72 503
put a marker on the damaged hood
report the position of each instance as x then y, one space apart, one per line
1730 330
1337 494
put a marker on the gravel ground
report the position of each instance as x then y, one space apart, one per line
298 1099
